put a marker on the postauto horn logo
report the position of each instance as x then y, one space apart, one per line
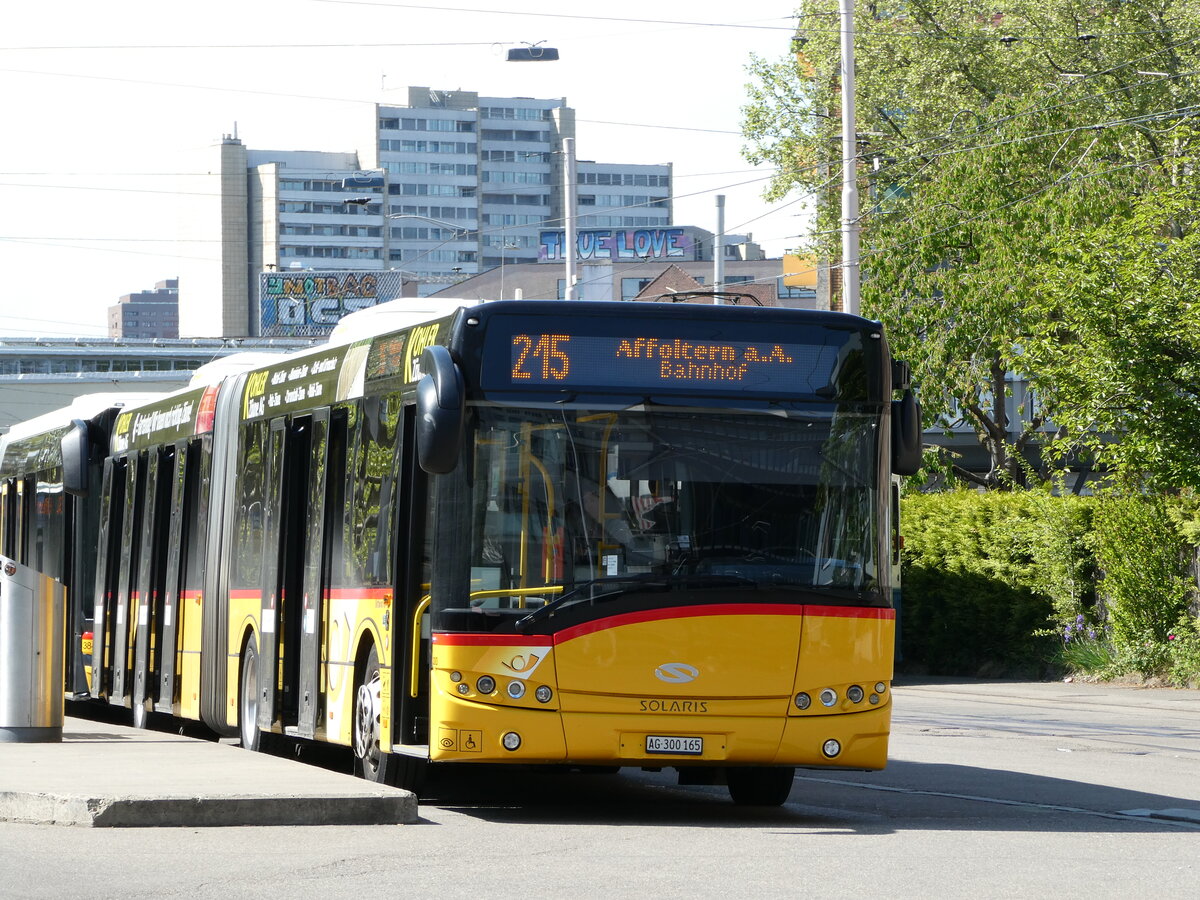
676 673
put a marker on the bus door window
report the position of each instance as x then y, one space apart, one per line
124 628
151 573
181 499
108 570
286 506
413 573
315 576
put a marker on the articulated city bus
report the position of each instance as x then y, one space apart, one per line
583 534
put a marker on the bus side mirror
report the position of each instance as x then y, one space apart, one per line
906 434
441 410
76 450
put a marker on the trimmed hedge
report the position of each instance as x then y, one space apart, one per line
992 581
982 572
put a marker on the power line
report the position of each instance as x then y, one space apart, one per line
550 15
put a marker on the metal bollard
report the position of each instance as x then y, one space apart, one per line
32 619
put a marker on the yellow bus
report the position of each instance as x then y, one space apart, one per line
524 532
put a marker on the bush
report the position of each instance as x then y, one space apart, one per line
1142 557
1020 583
984 572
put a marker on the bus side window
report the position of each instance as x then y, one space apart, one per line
249 513
5 527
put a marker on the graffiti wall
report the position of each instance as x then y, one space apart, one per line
303 304
620 245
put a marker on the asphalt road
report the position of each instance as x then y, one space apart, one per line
994 790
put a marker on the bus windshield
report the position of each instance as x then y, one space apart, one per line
571 506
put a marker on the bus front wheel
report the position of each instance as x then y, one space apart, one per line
371 761
760 786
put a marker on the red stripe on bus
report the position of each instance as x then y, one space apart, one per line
658 615
722 609
678 612
359 593
493 640
851 612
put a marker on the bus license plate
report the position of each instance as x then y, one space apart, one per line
682 746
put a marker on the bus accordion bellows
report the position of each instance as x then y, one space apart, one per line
528 532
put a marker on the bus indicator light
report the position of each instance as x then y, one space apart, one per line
854 693
543 694
516 689
486 684
831 748
803 701
828 697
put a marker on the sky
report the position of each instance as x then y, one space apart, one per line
106 108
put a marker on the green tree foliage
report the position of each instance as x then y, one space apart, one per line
1120 362
992 146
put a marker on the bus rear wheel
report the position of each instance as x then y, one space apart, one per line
759 785
248 698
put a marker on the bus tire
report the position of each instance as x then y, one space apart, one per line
248 698
760 785
141 715
370 760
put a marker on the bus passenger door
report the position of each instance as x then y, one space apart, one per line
112 508
126 594
410 691
316 576
151 587
283 570
181 490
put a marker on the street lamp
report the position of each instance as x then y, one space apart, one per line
505 245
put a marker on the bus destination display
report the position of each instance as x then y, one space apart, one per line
640 361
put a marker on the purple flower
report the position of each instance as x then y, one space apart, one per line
1091 634
1067 634
1079 619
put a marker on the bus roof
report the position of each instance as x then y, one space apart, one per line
87 406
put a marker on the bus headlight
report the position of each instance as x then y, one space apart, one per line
516 689
880 687
831 748
854 693
803 701
486 684
828 697
543 694
511 740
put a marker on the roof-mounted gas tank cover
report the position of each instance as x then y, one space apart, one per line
441 409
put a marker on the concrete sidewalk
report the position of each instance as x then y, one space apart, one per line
106 775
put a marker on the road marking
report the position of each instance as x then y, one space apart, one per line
1179 817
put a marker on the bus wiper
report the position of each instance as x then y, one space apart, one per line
611 586
615 584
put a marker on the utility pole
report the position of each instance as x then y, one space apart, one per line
569 208
719 252
850 243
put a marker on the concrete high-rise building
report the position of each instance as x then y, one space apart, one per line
147 314
449 185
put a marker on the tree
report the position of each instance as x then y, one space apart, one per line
1120 360
995 136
